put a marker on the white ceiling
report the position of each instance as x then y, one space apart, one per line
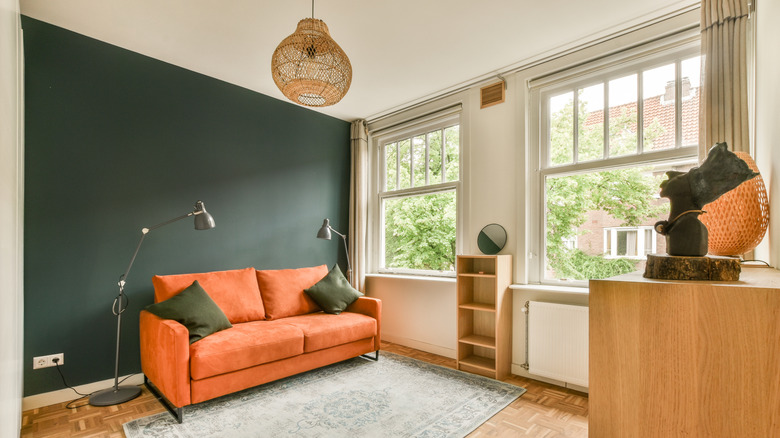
402 51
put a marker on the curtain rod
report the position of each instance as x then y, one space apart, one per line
438 112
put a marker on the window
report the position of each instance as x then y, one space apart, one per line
420 174
607 135
631 242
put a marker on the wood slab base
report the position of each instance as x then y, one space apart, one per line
716 268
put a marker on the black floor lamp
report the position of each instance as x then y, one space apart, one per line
120 394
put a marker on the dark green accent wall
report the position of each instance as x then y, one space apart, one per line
116 141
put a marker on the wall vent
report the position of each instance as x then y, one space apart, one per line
492 94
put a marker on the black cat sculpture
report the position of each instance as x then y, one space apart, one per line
689 191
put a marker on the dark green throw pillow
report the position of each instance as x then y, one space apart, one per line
333 293
194 309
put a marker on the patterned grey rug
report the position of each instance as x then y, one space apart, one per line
395 397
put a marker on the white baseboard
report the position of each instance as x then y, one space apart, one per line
65 395
451 353
423 346
518 370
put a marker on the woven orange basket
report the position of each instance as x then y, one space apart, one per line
738 220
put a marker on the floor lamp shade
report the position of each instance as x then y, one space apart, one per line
120 394
203 220
324 233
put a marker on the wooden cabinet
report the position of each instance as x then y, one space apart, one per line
485 315
685 358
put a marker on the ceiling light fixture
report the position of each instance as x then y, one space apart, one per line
309 67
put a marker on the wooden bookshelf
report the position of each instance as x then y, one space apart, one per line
485 315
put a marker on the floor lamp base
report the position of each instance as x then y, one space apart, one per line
114 396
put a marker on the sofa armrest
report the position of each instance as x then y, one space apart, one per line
371 307
165 357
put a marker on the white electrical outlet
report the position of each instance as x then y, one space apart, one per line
48 361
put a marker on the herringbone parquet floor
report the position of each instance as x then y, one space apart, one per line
544 411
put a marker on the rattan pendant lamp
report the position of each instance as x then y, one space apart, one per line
309 67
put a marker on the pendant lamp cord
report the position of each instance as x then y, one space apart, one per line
312 8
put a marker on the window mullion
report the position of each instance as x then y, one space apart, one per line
397 165
576 127
677 104
443 153
605 113
640 113
427 159
411 161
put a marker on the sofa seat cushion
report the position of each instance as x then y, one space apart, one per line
235 291
243 346
323 330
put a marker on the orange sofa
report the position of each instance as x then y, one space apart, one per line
277 331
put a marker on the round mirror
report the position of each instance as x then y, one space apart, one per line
491 239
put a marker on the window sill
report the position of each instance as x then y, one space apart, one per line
551 288
412 277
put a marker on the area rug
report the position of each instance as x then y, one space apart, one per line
394 397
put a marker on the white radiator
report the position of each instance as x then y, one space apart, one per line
557 345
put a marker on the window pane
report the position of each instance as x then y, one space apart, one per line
561 116
691 78
391 170
589 206
405 172
648 241
658 105
452 167
418 159
622 243
627 243
420 232
434 159
590 141
623 116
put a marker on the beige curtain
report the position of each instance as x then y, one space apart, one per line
724 97
358 203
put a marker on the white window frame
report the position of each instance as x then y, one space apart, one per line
677 47
420 126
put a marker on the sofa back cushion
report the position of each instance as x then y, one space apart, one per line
282 290
234 291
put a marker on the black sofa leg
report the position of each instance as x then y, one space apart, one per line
375 358
178 413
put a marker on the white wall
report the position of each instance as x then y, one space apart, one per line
421 312
11 209
418 313
767 114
